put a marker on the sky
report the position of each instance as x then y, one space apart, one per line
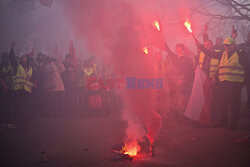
27 21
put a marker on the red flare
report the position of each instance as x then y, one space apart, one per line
187 24
145 50
157 25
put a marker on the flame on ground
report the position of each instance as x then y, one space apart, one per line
131 149
187 24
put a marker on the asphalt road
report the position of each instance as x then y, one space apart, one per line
85 140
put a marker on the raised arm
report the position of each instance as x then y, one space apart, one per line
205 34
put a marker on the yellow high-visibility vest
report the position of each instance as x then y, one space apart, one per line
214 63
22 79
87 71
230 69
201 59
90 70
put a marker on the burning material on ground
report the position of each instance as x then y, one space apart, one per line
134 150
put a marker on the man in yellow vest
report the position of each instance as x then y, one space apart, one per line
89 68
209 56
206 59
231 77
22 88
22 80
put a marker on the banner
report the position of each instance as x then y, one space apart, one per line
199 104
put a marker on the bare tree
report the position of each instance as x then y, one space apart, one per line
225 12
230 9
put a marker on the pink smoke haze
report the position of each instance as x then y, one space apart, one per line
114 30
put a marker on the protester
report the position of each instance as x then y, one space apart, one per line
91 68
179 73
39 89
159 67
231 78
94 94
6 73
53 86
68 78
209 61
22 87
218 47
47 85
203 93
159 72
245 47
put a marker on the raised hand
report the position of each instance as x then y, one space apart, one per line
234 32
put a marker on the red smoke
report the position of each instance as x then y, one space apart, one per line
112 30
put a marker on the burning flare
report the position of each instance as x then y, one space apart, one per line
187 24
131 149
157 25
145 50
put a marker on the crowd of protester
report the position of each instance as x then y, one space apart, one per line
228 72
41 85
33 86
225 66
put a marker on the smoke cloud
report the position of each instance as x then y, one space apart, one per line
113 31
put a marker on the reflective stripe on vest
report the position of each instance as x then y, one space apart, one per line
22 79
201 59
214 63
230 69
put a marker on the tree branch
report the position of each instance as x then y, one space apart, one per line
245 17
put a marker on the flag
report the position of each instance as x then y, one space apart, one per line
47 3
199 104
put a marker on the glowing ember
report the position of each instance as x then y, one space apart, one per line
157 25
131 149
145 50
187 24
